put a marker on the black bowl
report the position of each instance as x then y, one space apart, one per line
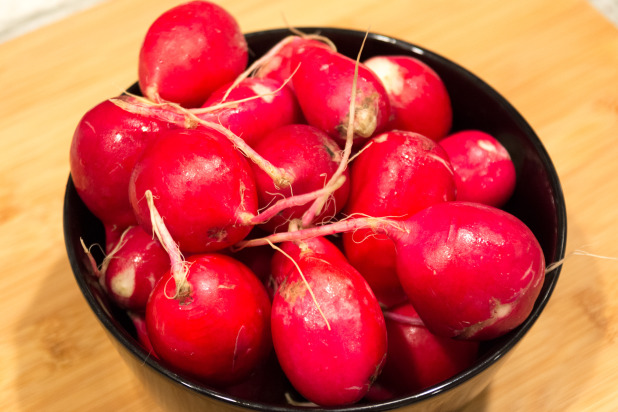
538 201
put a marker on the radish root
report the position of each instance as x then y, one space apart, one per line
223 104
407 320
119 245
559 263
93 264
179 266
177 114
289 400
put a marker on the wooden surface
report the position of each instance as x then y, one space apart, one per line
555 60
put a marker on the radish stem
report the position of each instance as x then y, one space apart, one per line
295 200
397 317
315 208
379 225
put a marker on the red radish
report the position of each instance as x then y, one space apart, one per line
310 157
328 332
186 118
216 328
189 51
258 259
113 234
139 322
379 393
268 107
323 86
241 217
105 147
484 171
375 257
398 174
132 268
483 266
278 66
418 359
202 187
281 265
267 383
419 99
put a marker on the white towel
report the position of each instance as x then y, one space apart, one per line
18 17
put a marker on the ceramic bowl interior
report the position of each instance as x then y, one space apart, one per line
538 201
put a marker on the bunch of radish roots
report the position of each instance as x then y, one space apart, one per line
308 218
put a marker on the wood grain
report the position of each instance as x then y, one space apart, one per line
555 60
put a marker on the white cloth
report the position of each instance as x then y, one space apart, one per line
18 17
21 16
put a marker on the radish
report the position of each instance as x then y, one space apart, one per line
258 260
398 174
361 248
323 85
484 171
282 262
105 147
189 51
204 296
215 327
483 266
139 322
419 99
418 359
379 393
252 108
310 157
203 188
267 383
328 331
278 63
132 268
188 119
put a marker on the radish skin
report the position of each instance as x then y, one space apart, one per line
323 84
252 108
484 171
132 269
189 51
282 262
419 99
279 66
328 366
187 119
418 359
202 187
310 157
139 322
484 267
258 260
106 144
225 300
397 175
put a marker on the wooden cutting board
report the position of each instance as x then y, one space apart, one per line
555 60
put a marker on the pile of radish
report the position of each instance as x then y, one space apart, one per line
308 214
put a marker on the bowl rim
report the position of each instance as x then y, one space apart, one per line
114 328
